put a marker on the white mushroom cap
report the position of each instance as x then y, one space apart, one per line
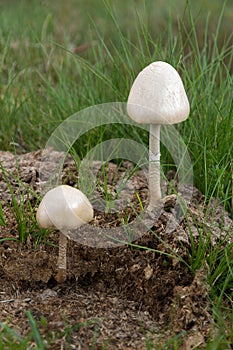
65 208
157 96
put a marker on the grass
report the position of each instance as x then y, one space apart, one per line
56 61
51 82
21 208
2 217
40 337
11 340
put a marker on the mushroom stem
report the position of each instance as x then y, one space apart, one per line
61 274
154 167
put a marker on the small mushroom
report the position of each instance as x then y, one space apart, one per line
157 97
64 208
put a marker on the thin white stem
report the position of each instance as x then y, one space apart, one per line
61 274
154 167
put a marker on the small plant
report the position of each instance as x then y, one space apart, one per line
21 207
35 334
2 217
11 340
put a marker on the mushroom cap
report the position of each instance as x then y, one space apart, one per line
64 208
157 96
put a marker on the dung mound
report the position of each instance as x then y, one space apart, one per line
122 294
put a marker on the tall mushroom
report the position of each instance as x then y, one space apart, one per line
64 208
157 97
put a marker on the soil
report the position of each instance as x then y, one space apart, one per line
116 296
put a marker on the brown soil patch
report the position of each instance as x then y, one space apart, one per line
121 296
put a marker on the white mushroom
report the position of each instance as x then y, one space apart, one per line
157 97
64 208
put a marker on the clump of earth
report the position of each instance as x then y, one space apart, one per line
116 295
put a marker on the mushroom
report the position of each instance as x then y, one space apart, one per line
64 208
157 97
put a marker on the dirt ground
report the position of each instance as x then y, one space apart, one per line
119 296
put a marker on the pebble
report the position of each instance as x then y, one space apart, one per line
48 293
